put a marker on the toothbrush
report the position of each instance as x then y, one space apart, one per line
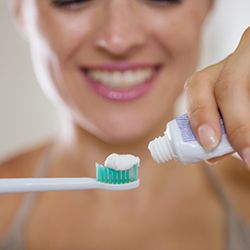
106 178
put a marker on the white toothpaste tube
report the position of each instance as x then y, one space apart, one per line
179 143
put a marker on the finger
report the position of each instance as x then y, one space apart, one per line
202 107
211 162
244 42
215 160
233 99
236 155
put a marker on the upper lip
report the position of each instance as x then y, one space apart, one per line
121 66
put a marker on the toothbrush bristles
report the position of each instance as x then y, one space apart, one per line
111 176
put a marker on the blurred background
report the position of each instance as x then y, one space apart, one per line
27 116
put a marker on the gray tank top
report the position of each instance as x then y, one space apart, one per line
237 232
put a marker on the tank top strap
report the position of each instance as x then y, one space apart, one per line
216 185
14 239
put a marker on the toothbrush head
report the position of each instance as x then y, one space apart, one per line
108 175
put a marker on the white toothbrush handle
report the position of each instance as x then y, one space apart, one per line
20 185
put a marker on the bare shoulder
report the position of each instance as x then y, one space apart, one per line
235 177
20 165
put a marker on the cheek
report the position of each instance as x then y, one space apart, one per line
179 36
63 35
54 39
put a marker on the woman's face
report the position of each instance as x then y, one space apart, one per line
116 65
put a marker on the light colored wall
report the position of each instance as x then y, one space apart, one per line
224 29
26 116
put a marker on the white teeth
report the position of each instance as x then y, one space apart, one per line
121 79
116 77
129 77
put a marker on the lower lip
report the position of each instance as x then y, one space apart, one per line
121 95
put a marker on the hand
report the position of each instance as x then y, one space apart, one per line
224 86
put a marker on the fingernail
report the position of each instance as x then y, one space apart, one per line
207 137
246 156
210 163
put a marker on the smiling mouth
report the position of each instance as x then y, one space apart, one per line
121 82
121 79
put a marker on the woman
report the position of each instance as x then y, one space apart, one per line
94 59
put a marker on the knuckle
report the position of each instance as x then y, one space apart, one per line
238 133
196 79
189 83
223 87
246 33
245 38
196 115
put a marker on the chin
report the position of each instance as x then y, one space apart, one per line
124 134
121 128
122 138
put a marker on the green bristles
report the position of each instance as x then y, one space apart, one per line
111 176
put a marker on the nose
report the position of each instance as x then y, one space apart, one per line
121 31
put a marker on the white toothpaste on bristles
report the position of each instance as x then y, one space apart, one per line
121 161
